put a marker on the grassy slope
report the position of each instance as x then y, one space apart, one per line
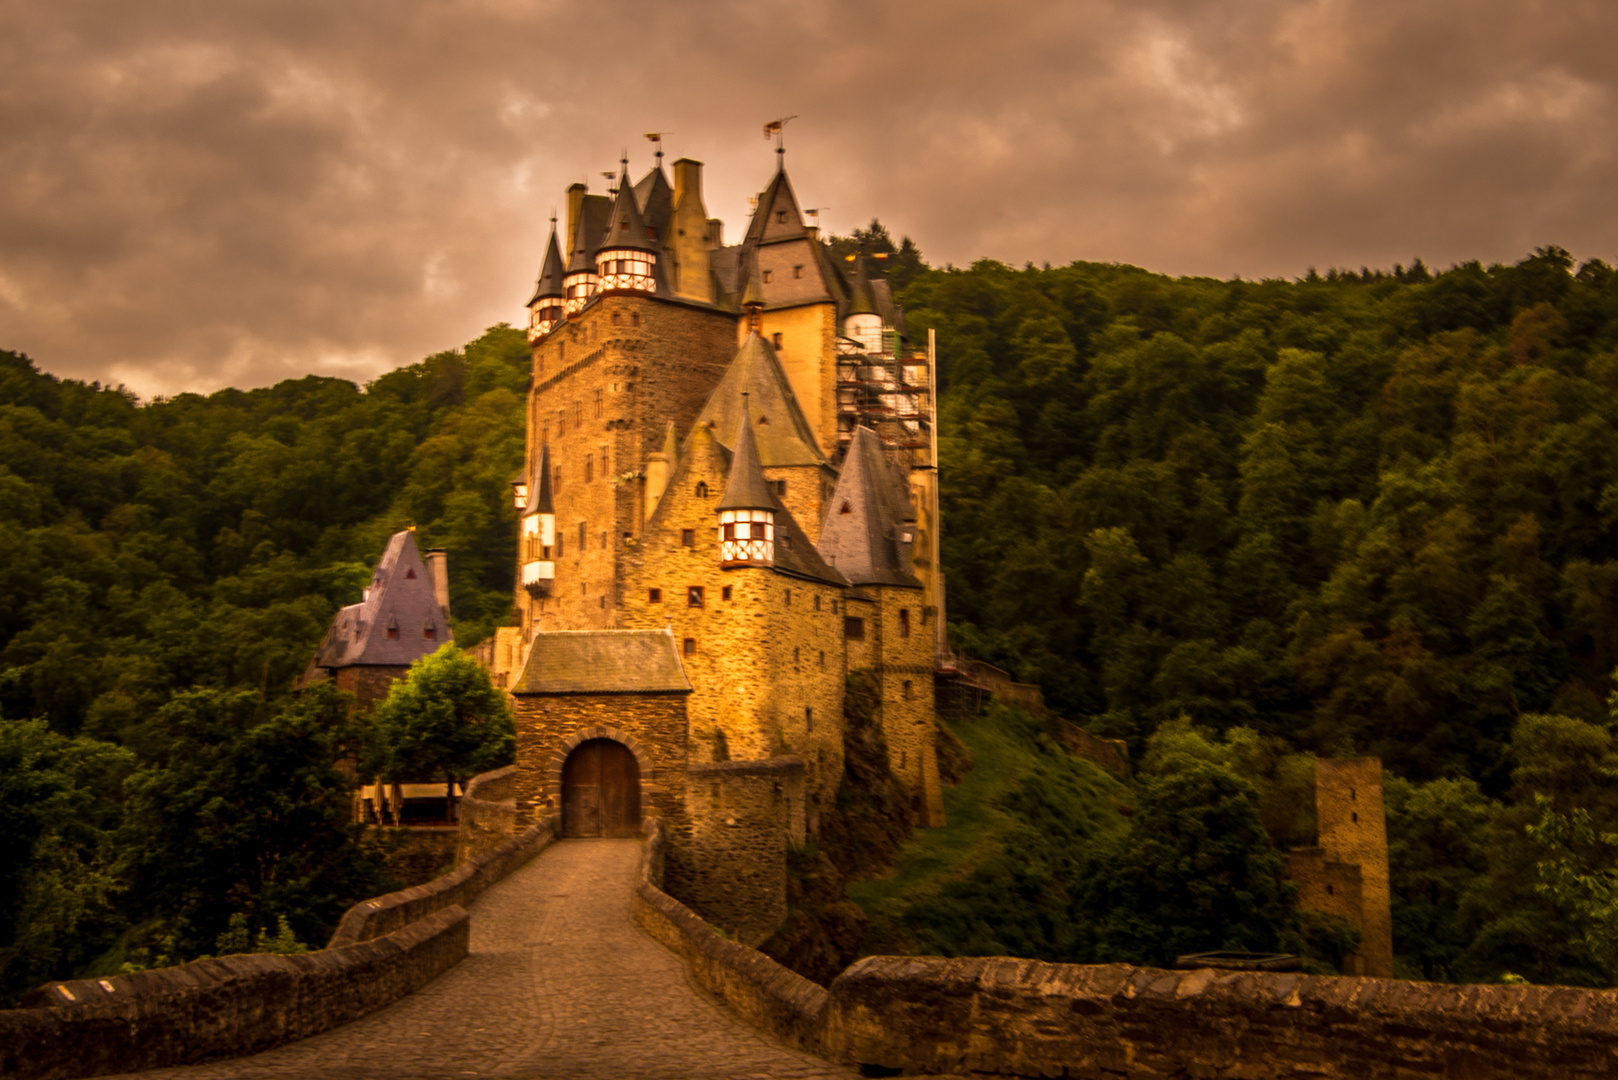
993 880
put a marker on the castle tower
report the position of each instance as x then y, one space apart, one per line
538 530
546 306
869 535
587 222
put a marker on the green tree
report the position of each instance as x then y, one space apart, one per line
445 720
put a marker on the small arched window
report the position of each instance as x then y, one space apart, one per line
702 490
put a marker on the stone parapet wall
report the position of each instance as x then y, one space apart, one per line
728 856
763 992
1006 1017
370 919
222 1007
487 814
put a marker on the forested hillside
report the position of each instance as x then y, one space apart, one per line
166 571
1363 513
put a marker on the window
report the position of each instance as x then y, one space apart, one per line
601 405
561 352
693 596
393 633
809 717
904 622
582 537
854 628
776 338
767 277
786 539
817 601
615 318
430 632
724 593
781 217
789 598
797 271
779 487
702 490
654 596
907 690
690 646
603 540
795 656
556 481
845 508
589 467
410 574
823 659
688 538
544 432
578 414
634 318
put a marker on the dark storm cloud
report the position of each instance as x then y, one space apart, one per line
199 194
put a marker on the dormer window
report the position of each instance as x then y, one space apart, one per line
776 339
410 574
429 632
845 508
781 217
767 276
797 271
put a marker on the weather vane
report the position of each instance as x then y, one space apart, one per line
656 139
778 129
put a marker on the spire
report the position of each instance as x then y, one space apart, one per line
868 531
746 488
626 228
582 247
550 271
539 486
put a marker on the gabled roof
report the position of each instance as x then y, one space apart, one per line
603 662
400 595
550 271
539 485
656 199
776 201
745 488
593 214
796 555
626 226
863 534
783 435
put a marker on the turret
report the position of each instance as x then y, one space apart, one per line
747 511
545 310
539 530
862 323
626 261
579 282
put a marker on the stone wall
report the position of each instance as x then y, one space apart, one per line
727 859
223 1007
1004 1017
419 852
371 919
1353 830
1110 754
369 683
488 813
903 651
549 727
763 992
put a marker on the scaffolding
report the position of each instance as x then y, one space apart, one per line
889 392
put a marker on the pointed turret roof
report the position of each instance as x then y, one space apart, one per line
656 199
550 272
593 213
861 298
745 487
539 485
753 292
783 434
864 532
626 228
400 597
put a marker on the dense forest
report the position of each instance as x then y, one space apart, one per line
1233 523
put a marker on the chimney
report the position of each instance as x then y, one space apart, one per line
687 180
716 233
438 570
575 206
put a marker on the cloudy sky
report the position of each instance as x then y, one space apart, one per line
200 194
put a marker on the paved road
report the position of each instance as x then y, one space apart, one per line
560 984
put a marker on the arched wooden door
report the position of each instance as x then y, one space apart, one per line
601 790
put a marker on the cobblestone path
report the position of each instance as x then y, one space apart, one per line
560 983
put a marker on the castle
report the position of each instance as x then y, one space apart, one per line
729 505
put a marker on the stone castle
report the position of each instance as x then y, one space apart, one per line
729 505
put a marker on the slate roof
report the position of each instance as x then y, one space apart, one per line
745 488
863 534
861 299
783 434
539 485
550 271
400 596
603 662
656 199
593 215
777 198
626 226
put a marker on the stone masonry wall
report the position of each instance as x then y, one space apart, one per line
904 671
487 814
652 726
605 386
766 662
727 860
226 1006
1005 1017
369 684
